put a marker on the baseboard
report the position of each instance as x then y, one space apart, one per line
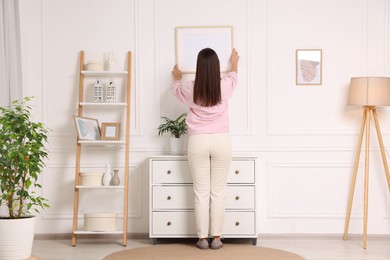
64 236
323 236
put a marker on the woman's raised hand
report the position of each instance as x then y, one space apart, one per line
234 58
176 72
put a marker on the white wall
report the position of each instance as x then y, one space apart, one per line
305 137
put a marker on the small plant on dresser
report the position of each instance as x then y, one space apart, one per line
177 128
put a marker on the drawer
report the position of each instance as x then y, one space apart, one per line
240 197
173 223
242 172
171 172
173 197
239 223
183 224
182 197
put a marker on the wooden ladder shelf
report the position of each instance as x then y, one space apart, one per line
80 143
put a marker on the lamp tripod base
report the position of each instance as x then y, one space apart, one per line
365 126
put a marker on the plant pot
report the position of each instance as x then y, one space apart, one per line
16 238
178 146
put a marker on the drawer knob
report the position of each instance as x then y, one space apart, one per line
169 172
169 198
237 172
237 223
237 197
169 223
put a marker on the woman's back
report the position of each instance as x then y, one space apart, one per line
207 96
207 119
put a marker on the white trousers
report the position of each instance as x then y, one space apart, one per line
209 157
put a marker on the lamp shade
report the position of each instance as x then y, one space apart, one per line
369 91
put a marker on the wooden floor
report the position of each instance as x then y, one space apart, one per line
311 247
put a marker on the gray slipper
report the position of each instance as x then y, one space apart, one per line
216 244
202 244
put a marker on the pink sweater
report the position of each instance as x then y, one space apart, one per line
206 120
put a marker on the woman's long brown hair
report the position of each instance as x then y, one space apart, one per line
207 85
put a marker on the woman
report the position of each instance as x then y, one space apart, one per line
209 146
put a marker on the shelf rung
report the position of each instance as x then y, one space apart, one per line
100 142
103 73
101 187
82 232
103 104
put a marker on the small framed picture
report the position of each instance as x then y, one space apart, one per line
308 67
110 131
87 128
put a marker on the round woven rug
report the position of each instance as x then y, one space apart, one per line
189 252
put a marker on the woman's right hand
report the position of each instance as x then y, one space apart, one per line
176 72
234 58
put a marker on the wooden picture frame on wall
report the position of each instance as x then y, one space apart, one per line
192 39
110 131
308 66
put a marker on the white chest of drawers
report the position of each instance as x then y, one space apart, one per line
171 199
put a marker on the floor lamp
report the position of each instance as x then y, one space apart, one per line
368 92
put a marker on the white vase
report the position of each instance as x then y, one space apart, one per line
107 176
16 238
177 146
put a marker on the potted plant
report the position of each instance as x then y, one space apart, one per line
177 128
22 151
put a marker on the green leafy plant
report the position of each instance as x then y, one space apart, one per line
22 151
176 127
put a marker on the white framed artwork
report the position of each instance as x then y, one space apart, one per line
87 128
190 40
308 66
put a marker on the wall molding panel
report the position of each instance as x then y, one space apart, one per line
315 202
315 130
47 62
163 106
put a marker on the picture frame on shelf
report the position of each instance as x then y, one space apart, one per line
308 66
192 39
110 131
87 128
